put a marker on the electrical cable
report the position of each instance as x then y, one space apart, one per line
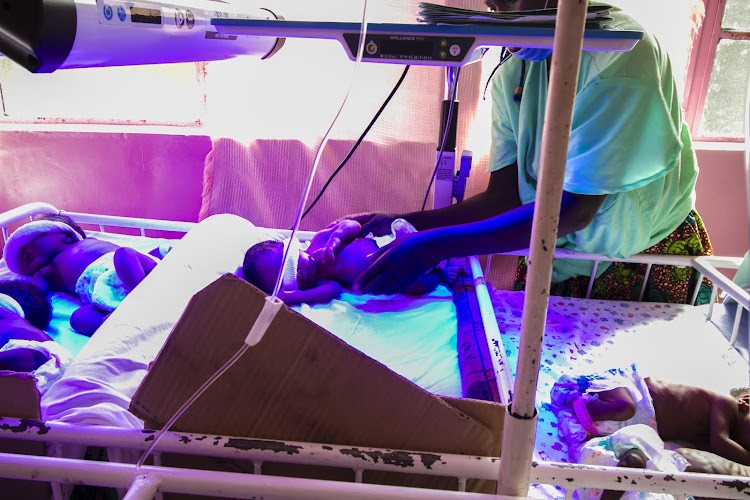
361 138
272 303
452 93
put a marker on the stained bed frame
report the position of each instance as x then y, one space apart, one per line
514 472
150 480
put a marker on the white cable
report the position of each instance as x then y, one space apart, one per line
303 201
272 304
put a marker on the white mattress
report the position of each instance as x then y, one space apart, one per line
672 342
99 384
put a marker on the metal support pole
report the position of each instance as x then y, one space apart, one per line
517 451
143 488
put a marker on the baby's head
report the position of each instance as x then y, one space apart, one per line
32 302
35 244
263 261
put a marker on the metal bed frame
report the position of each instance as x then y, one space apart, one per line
515 470
149 481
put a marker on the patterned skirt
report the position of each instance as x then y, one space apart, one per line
623 281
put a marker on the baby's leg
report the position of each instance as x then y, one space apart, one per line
87 319
132 266
633 459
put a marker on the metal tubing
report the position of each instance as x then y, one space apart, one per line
566 56
255 450
118 475
143 488
211 483
517 438
495 345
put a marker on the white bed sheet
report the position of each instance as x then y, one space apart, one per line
99 384
672 342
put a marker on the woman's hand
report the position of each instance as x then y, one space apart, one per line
377 223
396 265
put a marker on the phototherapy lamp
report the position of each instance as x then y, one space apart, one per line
47 35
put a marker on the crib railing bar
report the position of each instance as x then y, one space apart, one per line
714 294
129 222
28 210
144 487
646 276
211 483
56 488
569 493
251 449
677 483
500 366
641 258
239 485
736 325
461 484
709 265
591 279
157 462
694 298
487 266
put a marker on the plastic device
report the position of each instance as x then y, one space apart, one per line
47 35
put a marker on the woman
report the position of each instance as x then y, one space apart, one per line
628 188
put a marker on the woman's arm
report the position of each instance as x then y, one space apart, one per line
500 196
405 259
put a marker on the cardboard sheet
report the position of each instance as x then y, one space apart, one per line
300 383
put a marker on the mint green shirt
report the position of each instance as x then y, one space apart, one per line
628 140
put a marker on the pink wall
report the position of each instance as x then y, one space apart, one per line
160 176
137 175
722 200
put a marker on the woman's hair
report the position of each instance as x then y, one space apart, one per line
32 300
65 220
256 262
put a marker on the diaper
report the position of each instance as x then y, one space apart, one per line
399 227
289 272
569 388
58 360
99 284
608 450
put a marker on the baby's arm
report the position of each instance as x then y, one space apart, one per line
132 266
41 281
323 291
711 463
326 241
723 413
21 360
424 284
614 404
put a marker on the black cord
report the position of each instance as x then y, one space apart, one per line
504 56
361 138
449 120
519 90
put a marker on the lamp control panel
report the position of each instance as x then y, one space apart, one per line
411 47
